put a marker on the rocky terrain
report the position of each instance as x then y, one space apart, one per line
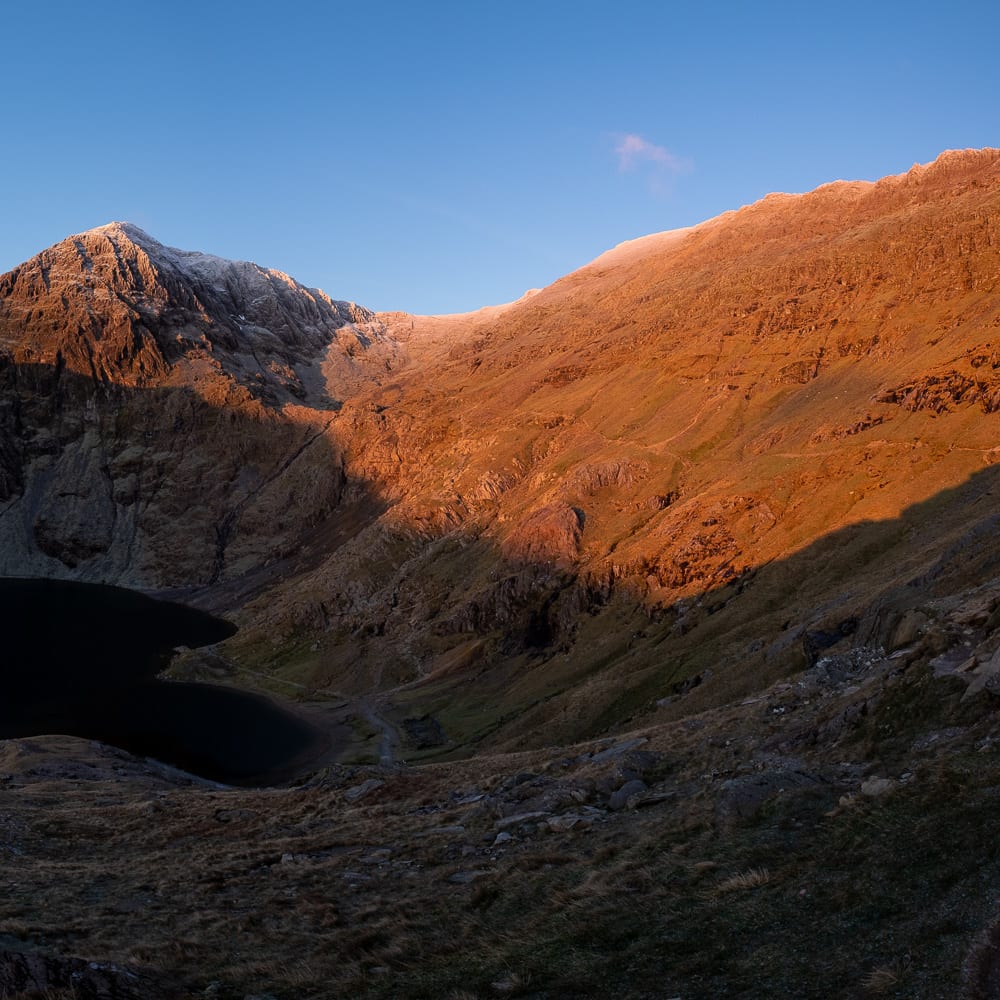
160 408
675 585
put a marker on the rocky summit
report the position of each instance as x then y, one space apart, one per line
653 619
160 407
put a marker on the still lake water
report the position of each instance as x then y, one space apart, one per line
81 659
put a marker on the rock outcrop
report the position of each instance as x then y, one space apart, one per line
159 407
30 974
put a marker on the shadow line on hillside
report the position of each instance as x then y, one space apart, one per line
592 655
281 504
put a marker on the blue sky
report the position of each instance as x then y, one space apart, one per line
440 156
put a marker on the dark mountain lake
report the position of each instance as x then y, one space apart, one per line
82 659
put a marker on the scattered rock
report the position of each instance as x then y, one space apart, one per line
610 753
627 795
464 878
524 776
227 815
875 788
958 660
353 877
519 818
985 676
939 737
742 797
360 791
566 822
910 628
31 973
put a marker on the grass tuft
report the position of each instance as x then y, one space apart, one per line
752 878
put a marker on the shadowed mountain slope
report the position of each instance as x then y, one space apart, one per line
541 500
573 474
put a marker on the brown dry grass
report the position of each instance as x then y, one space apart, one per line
880 981
299 893
752 878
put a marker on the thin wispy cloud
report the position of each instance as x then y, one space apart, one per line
634 152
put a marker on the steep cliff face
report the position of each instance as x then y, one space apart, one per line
163 413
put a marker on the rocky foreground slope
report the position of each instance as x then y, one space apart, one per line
705 531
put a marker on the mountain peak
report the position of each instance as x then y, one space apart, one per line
127 229
116 305
127 232
960 157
